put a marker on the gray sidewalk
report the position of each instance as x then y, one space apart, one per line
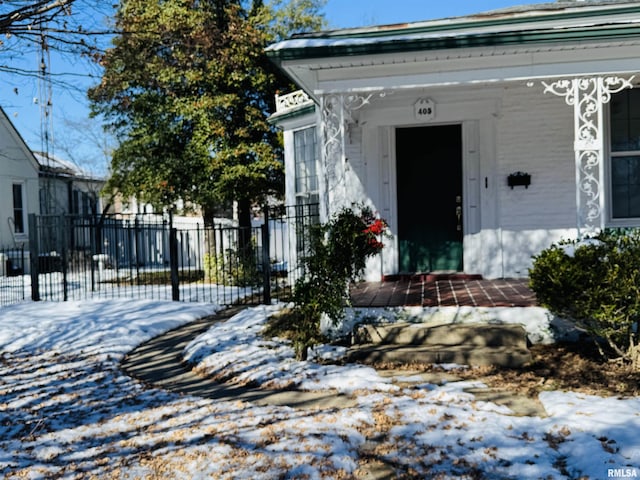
159 363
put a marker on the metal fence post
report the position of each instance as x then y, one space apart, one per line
93 250
266 264
65 223
34 254
173 262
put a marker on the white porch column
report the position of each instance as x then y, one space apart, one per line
588 95
338 112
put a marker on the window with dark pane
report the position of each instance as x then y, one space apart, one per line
18 209
306 185
625 154
306 165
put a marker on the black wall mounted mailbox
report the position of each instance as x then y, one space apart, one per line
519 179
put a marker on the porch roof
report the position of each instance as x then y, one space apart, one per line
540 41
558 22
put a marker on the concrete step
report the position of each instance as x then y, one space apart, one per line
464 344
468 334
511 357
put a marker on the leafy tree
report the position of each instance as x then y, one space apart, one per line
186 90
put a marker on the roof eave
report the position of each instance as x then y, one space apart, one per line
511 38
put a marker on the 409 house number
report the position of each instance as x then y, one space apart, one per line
425 109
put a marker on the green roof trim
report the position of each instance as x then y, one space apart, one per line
276 118
465 22
396 40
463 41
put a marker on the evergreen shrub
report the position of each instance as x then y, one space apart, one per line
231 268
337 256
595 283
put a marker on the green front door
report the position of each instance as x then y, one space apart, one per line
429 175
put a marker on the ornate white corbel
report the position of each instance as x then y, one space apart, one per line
588 95
338 112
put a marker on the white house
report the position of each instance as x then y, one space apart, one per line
480 139
67 189
18 185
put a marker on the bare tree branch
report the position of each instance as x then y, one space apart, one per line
32 15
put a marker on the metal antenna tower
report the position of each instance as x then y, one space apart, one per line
45 100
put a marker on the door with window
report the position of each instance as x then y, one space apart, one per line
429 199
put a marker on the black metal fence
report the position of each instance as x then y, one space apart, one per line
158 257
12 281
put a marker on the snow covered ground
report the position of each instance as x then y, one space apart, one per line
67 411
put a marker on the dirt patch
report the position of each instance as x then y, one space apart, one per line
574 367
569 367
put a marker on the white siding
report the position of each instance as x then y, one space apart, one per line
17 166
527 131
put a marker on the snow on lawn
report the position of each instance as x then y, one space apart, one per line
67 411
237 351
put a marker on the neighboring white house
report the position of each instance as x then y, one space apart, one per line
67 189
480 139
18 185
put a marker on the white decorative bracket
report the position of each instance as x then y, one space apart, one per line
587 95
338 114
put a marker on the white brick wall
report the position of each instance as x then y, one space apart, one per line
534 135
527 131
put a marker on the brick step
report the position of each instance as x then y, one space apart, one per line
461 354
430 277
468 334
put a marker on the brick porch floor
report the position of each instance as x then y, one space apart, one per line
430 292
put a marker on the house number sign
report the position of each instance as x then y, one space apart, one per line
425 109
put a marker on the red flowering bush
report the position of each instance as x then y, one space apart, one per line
338 255
374 230
351 238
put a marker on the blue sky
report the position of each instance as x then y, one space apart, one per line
69 109
358 13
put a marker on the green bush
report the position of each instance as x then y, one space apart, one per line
231 268
596 284
338 254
